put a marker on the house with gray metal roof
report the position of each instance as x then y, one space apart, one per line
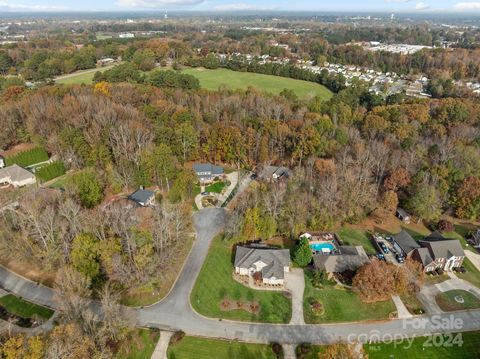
143 197
346 258
275 173
270 264
206 172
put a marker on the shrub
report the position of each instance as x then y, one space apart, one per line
445 226
277 350
176 337
28 157
51 171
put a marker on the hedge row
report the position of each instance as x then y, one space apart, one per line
51 171
28 157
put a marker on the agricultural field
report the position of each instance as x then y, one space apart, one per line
81 77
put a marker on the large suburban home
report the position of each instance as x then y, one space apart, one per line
206 172
404 243
345 258
143 197
443 254
267 265
16 176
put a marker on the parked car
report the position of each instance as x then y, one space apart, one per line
205 193
460 269
384 247
389 238
399 258
254 176
380 256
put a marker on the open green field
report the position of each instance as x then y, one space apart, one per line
215 283
200 348
341 304
24 309
464 346
81 77
212 79
446 300
139 344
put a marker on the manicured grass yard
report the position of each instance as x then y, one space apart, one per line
356 237
341 305
139 345
422 348
200 348
447 301
24 309
212 79
215 282
472 275
216 187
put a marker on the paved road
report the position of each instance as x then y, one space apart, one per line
175 312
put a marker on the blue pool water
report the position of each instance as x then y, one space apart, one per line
318 247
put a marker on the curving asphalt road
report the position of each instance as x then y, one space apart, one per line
175 313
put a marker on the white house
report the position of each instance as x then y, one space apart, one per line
16 176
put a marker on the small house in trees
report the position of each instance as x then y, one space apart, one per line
206 172
2 162
403 215
143 197
275 173
264 264
16 176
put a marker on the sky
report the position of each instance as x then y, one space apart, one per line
244 5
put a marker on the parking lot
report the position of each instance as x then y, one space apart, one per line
390 252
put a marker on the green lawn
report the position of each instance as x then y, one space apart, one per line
81 77
446 300
140 344
212 79
472 275
356 237
216 187
24 309
200 348
59 183
441 347
215 283
341 305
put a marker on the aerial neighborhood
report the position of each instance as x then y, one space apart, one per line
188 179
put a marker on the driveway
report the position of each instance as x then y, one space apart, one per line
295 284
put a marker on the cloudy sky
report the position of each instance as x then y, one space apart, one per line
244 5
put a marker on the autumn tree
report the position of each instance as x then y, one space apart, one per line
468 198
378 281
397 179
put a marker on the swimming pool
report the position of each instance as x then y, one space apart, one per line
322 247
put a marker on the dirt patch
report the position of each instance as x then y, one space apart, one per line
26 270
227 305
17 149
